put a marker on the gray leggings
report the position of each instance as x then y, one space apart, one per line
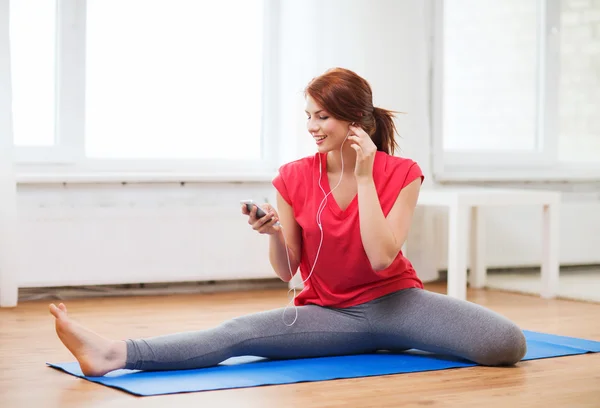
410 318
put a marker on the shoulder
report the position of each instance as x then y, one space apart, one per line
389 164
397 169
299 166
293 177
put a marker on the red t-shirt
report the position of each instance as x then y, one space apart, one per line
343 275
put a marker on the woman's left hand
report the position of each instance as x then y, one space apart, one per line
365 149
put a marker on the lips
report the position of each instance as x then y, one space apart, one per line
319 138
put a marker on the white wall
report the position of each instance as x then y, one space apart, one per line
114 233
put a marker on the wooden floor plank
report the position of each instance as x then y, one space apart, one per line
28 340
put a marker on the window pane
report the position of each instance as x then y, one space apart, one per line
490 74
579 93
174 79
32 42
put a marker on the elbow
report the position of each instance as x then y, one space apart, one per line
384 261
286 278
288 275
284 273
381 264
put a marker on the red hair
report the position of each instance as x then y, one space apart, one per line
348 97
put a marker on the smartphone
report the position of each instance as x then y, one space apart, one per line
259 211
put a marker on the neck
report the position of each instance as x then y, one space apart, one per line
334 160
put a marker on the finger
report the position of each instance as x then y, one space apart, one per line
252 216
358 131
359 152
356 145
366 143
245 210
262 221
267 207
268 225
355 139
270 209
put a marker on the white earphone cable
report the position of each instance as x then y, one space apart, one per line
320 210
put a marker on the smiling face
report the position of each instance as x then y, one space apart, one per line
329 133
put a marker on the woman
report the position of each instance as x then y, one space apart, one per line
361 294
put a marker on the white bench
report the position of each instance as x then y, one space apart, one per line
467 229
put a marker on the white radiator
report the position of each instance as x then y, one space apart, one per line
85 235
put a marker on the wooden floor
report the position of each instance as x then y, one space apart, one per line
27 341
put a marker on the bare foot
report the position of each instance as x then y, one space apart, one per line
96 355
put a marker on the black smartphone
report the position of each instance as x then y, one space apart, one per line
259 211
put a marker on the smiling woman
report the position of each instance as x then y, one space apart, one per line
361 295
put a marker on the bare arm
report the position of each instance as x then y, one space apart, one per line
383 237
291 231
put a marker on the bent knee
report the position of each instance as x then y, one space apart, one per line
507 347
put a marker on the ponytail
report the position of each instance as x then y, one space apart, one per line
385 130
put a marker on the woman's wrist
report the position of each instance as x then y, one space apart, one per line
365 181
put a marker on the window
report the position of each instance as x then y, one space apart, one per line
177 79
579 89
32 40
490 75
141 84
515 89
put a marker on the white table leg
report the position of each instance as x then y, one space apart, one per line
550 244
458 220
477 276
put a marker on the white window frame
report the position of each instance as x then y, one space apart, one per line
66 160
542 164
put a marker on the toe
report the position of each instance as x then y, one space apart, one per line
62 307
54 310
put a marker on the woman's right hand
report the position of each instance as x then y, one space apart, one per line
263 225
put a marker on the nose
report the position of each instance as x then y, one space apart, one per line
311 125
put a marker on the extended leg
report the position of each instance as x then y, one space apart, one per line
317 332
416 318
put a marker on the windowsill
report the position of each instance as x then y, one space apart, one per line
141 177
517 174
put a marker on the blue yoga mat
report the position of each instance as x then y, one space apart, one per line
240 372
